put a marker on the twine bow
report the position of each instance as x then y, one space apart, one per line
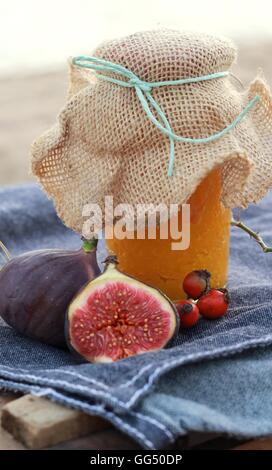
143 91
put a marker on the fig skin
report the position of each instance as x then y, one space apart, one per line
37 287
112 273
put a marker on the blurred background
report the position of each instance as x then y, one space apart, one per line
37 37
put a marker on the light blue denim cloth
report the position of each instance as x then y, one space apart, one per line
215 377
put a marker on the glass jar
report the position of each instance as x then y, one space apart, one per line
154 262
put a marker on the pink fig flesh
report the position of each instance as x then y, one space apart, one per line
116 316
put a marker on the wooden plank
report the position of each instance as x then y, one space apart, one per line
38 422
194 439
6 397
7 441
220 443
110 439
256 444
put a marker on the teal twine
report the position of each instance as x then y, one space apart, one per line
143 90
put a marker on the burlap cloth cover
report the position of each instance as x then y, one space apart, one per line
104 144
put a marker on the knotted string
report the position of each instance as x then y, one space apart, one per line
143 91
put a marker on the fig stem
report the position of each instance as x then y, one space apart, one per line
89 245
111 259
5 250
255 235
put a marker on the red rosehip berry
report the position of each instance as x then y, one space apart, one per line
188 313
196 283
214 304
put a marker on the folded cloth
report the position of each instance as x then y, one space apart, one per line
157 396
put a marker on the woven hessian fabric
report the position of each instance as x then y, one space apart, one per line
104 144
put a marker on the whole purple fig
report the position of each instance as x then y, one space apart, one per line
37 287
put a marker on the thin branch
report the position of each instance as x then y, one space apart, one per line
255 235
5 250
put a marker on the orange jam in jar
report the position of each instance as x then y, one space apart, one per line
154 262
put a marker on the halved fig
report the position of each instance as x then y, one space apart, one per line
116 316
37 287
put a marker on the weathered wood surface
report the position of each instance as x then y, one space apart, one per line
256 444
7 441
36 423
110 439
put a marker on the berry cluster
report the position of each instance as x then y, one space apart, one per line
202 300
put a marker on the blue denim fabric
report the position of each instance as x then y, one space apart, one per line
157 396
